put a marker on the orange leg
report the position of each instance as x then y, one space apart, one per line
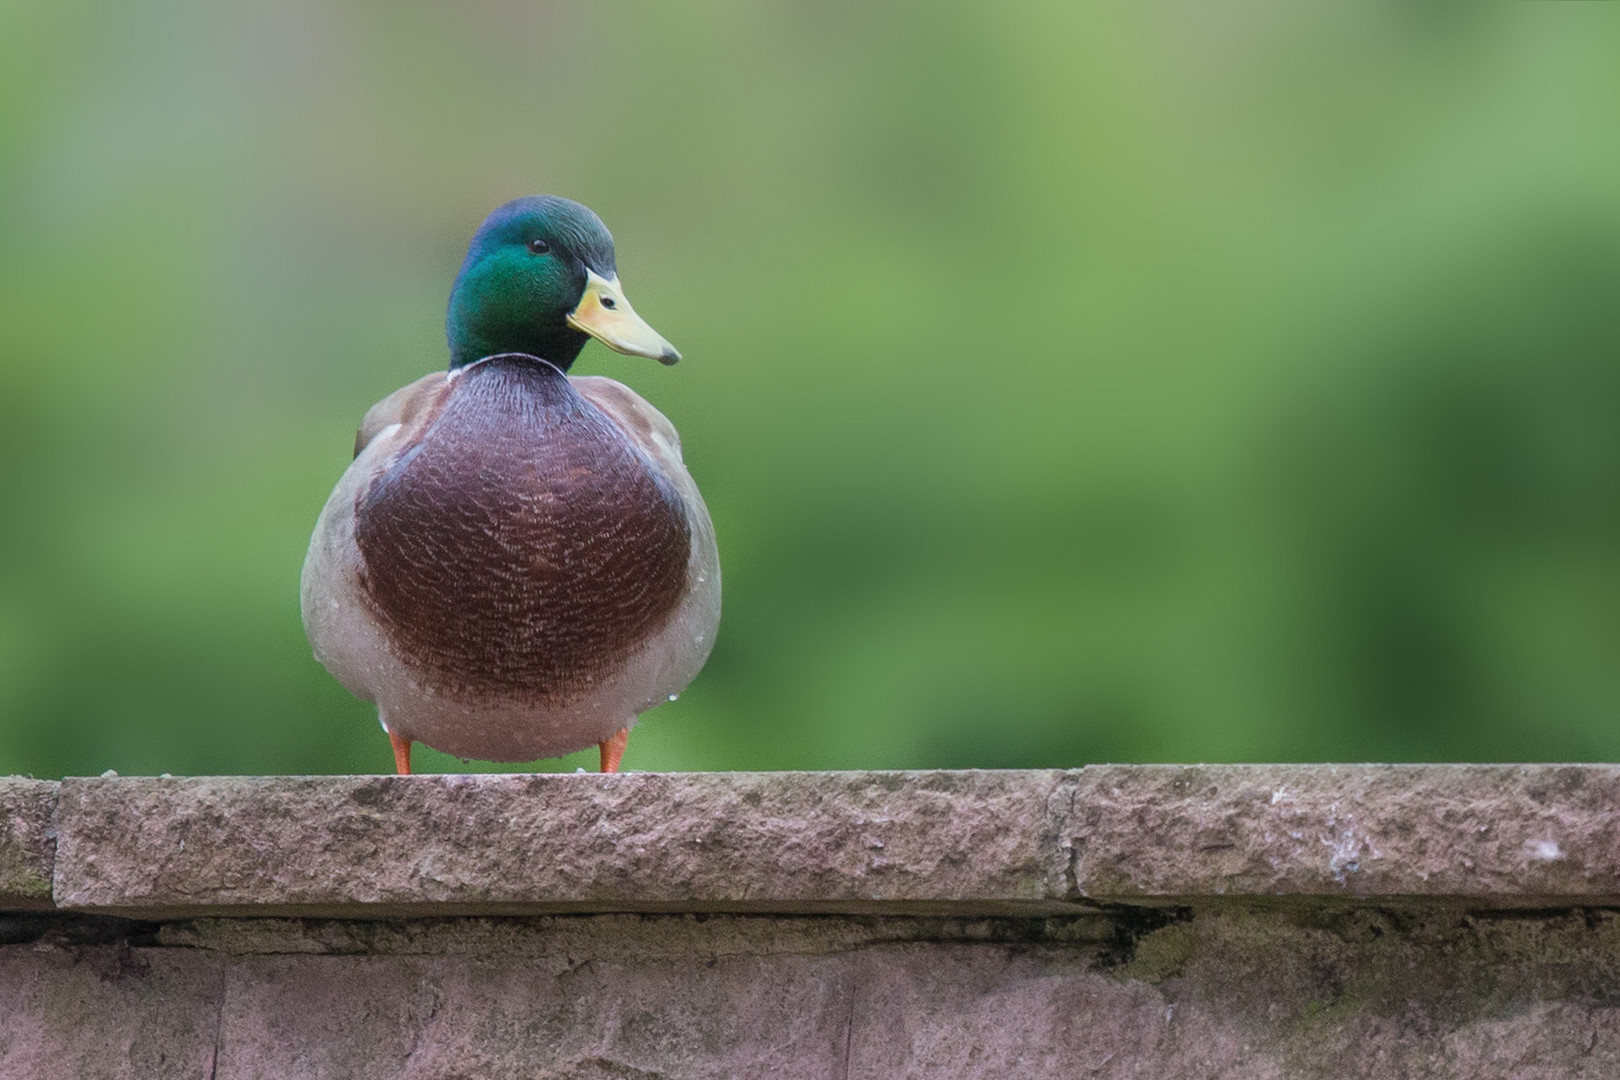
402 753
613 750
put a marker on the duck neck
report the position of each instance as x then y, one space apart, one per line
467 345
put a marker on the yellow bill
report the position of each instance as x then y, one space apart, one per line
606 315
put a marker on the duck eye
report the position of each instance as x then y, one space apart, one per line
539 247
609 303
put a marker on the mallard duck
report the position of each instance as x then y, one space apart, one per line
517 564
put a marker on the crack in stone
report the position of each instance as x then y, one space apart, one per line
849 1028
219 1022
1073 843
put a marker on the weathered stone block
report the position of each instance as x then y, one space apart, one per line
27 843
1488 835
1249 922
528 843
448 1016
108 1012
1226 992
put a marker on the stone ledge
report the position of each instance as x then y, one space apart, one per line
27 843
952 843
1480 835
538 843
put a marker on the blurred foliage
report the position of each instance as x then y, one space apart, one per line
1157 383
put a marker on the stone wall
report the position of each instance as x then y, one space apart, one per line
1147 921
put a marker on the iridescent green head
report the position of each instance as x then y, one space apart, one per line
539 278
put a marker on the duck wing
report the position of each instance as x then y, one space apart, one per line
400 407
646 426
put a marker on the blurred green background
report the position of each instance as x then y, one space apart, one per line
1159 383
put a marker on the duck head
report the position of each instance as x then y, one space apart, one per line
539 278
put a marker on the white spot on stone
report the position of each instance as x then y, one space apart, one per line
1347 851
1278 795
1545 850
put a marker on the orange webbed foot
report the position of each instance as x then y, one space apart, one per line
613 750
402 753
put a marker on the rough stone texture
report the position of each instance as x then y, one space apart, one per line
1230 922
947 842
27 842
522 843
1225 992
452 1016
107 1012
1514 835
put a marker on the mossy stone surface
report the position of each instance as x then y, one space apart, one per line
27 843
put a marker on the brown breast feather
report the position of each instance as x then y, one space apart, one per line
524 547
